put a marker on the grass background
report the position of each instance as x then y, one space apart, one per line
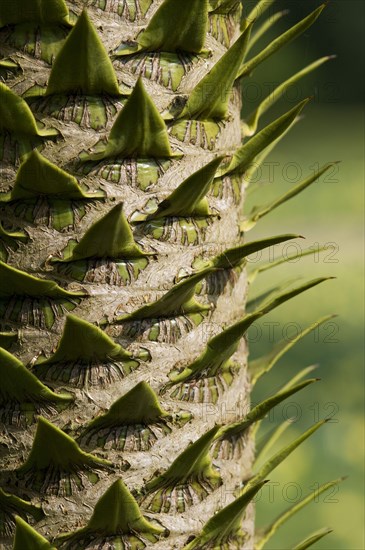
331 211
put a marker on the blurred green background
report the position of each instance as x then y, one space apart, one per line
329 212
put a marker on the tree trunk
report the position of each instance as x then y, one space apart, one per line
45 213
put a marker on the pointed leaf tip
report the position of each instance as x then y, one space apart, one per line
139 130
37 176
169 33
281 41
109 237
53 448
189 199
116 515
27 538
83 66
85 342
210 98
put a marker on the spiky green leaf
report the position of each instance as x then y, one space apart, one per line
57 464
17 120
274 96
14 282
244 156
179 300
260 211
287 258
12 506
27 537
268 532
22 395
281 41
82 65
258 367
280 456
262 409
38 176
313 538
139 131
190 469
108 237
189 199
210 98
225 526
116 517
235 256
167 33
265 27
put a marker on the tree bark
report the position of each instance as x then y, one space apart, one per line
175 342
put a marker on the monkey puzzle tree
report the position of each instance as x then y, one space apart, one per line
124 382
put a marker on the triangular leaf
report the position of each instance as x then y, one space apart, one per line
210 98
38 176
139 406
189 199
258 367
193 463
52 448
17 118
14 282
268 532
108 237
12 506
116 514
225 526
167 33
139 130
27 538
234 256
42 12
259 212
281 41
84 341
22 393
312 539
279 457
177 301
260 411
244 156
82 65
273 97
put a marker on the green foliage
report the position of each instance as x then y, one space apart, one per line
12 506
192 470
138 131
83 66
244 156
22 395
165 33
27 537
56 463
281 41
312 539
224 528
210 98
117 520
259 212
268 532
